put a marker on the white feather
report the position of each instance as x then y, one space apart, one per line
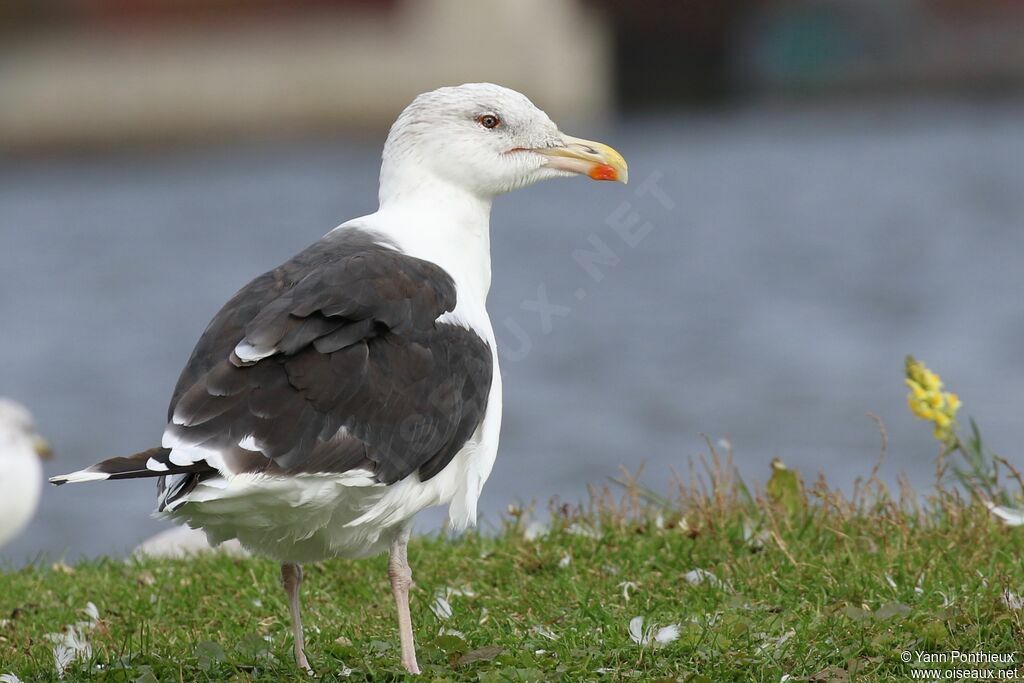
183 457
1010 516
250 354
184 453
156 465
248 442
79 476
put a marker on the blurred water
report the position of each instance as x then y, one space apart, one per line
805 253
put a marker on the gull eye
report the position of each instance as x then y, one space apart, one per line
488 120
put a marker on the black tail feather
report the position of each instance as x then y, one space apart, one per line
154 462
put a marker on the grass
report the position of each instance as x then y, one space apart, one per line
815 586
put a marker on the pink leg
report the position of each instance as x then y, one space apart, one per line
291 577
401 580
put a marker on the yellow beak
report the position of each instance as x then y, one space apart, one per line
42 447
586 157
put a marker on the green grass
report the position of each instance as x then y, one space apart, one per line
826 589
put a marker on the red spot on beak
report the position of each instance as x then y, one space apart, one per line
603 172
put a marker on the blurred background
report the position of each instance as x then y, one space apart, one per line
818 188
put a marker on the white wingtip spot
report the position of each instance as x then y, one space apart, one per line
172 440
156 465
79 477
184 456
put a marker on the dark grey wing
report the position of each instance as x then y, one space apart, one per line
334 362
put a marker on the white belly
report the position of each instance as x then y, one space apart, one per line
311 517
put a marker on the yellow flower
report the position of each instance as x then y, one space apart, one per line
920 408
927 401
916 390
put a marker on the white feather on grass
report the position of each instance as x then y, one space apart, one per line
1010 516
72 643
651 636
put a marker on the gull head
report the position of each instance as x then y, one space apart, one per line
486 140
17 431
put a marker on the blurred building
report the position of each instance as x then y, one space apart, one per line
78 72
707 50
882 46
104 71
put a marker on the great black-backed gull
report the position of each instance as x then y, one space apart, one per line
21 473
339 394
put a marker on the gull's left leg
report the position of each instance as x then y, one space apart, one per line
401 580
291 578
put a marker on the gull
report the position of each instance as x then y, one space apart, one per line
21 473
338 395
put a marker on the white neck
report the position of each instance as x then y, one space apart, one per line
434 220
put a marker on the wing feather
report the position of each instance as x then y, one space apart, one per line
334 361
